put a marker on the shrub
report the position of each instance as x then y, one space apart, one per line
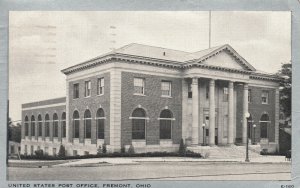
104 148
115 154
266 152
182 148
131 149
39 153
62 151
99 150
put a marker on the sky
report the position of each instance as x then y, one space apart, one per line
42 43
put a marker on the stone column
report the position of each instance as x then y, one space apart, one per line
245 110
212 113
277 118
195 113
230 112
184 109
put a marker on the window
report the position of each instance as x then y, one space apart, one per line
47 125
225 94
55 125
190 93
207 91
87 88
225 126
165 124
75 91
100 88
249 96
265 97
31 150
87 124
86 153
26 126
32 126
76 124
46 150
139 86
40 126
25 150
264 125
166 88
12 149
63 125
138 124
75 153
100 123
54 151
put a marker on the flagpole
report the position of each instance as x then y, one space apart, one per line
209 32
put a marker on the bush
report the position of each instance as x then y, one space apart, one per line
116 154
99 150
104 148
39 153
182 148
62 151
266 152
131 149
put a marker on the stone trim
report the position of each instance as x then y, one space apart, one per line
165 64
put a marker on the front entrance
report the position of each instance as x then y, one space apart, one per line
206 122
216 136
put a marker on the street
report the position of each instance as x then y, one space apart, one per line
159 171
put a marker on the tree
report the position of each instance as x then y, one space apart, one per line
286 88
131 149
14 131
62 151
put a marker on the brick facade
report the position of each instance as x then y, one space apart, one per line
92 103
153 104
256 109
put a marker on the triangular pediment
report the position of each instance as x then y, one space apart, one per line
225 57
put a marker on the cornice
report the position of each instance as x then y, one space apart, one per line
162 63
265 77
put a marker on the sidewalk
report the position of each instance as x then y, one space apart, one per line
137 160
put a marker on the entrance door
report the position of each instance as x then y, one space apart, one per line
206 119
216 136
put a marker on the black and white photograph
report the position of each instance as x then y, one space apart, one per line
149 95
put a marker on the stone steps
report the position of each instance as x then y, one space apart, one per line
223 152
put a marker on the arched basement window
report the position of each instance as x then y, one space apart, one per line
138 124
47 125
100 118
63 125
76 124
55 125
26 126
32 126
165 124
87 124
264 126
40 125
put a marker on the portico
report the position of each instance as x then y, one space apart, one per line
214 102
